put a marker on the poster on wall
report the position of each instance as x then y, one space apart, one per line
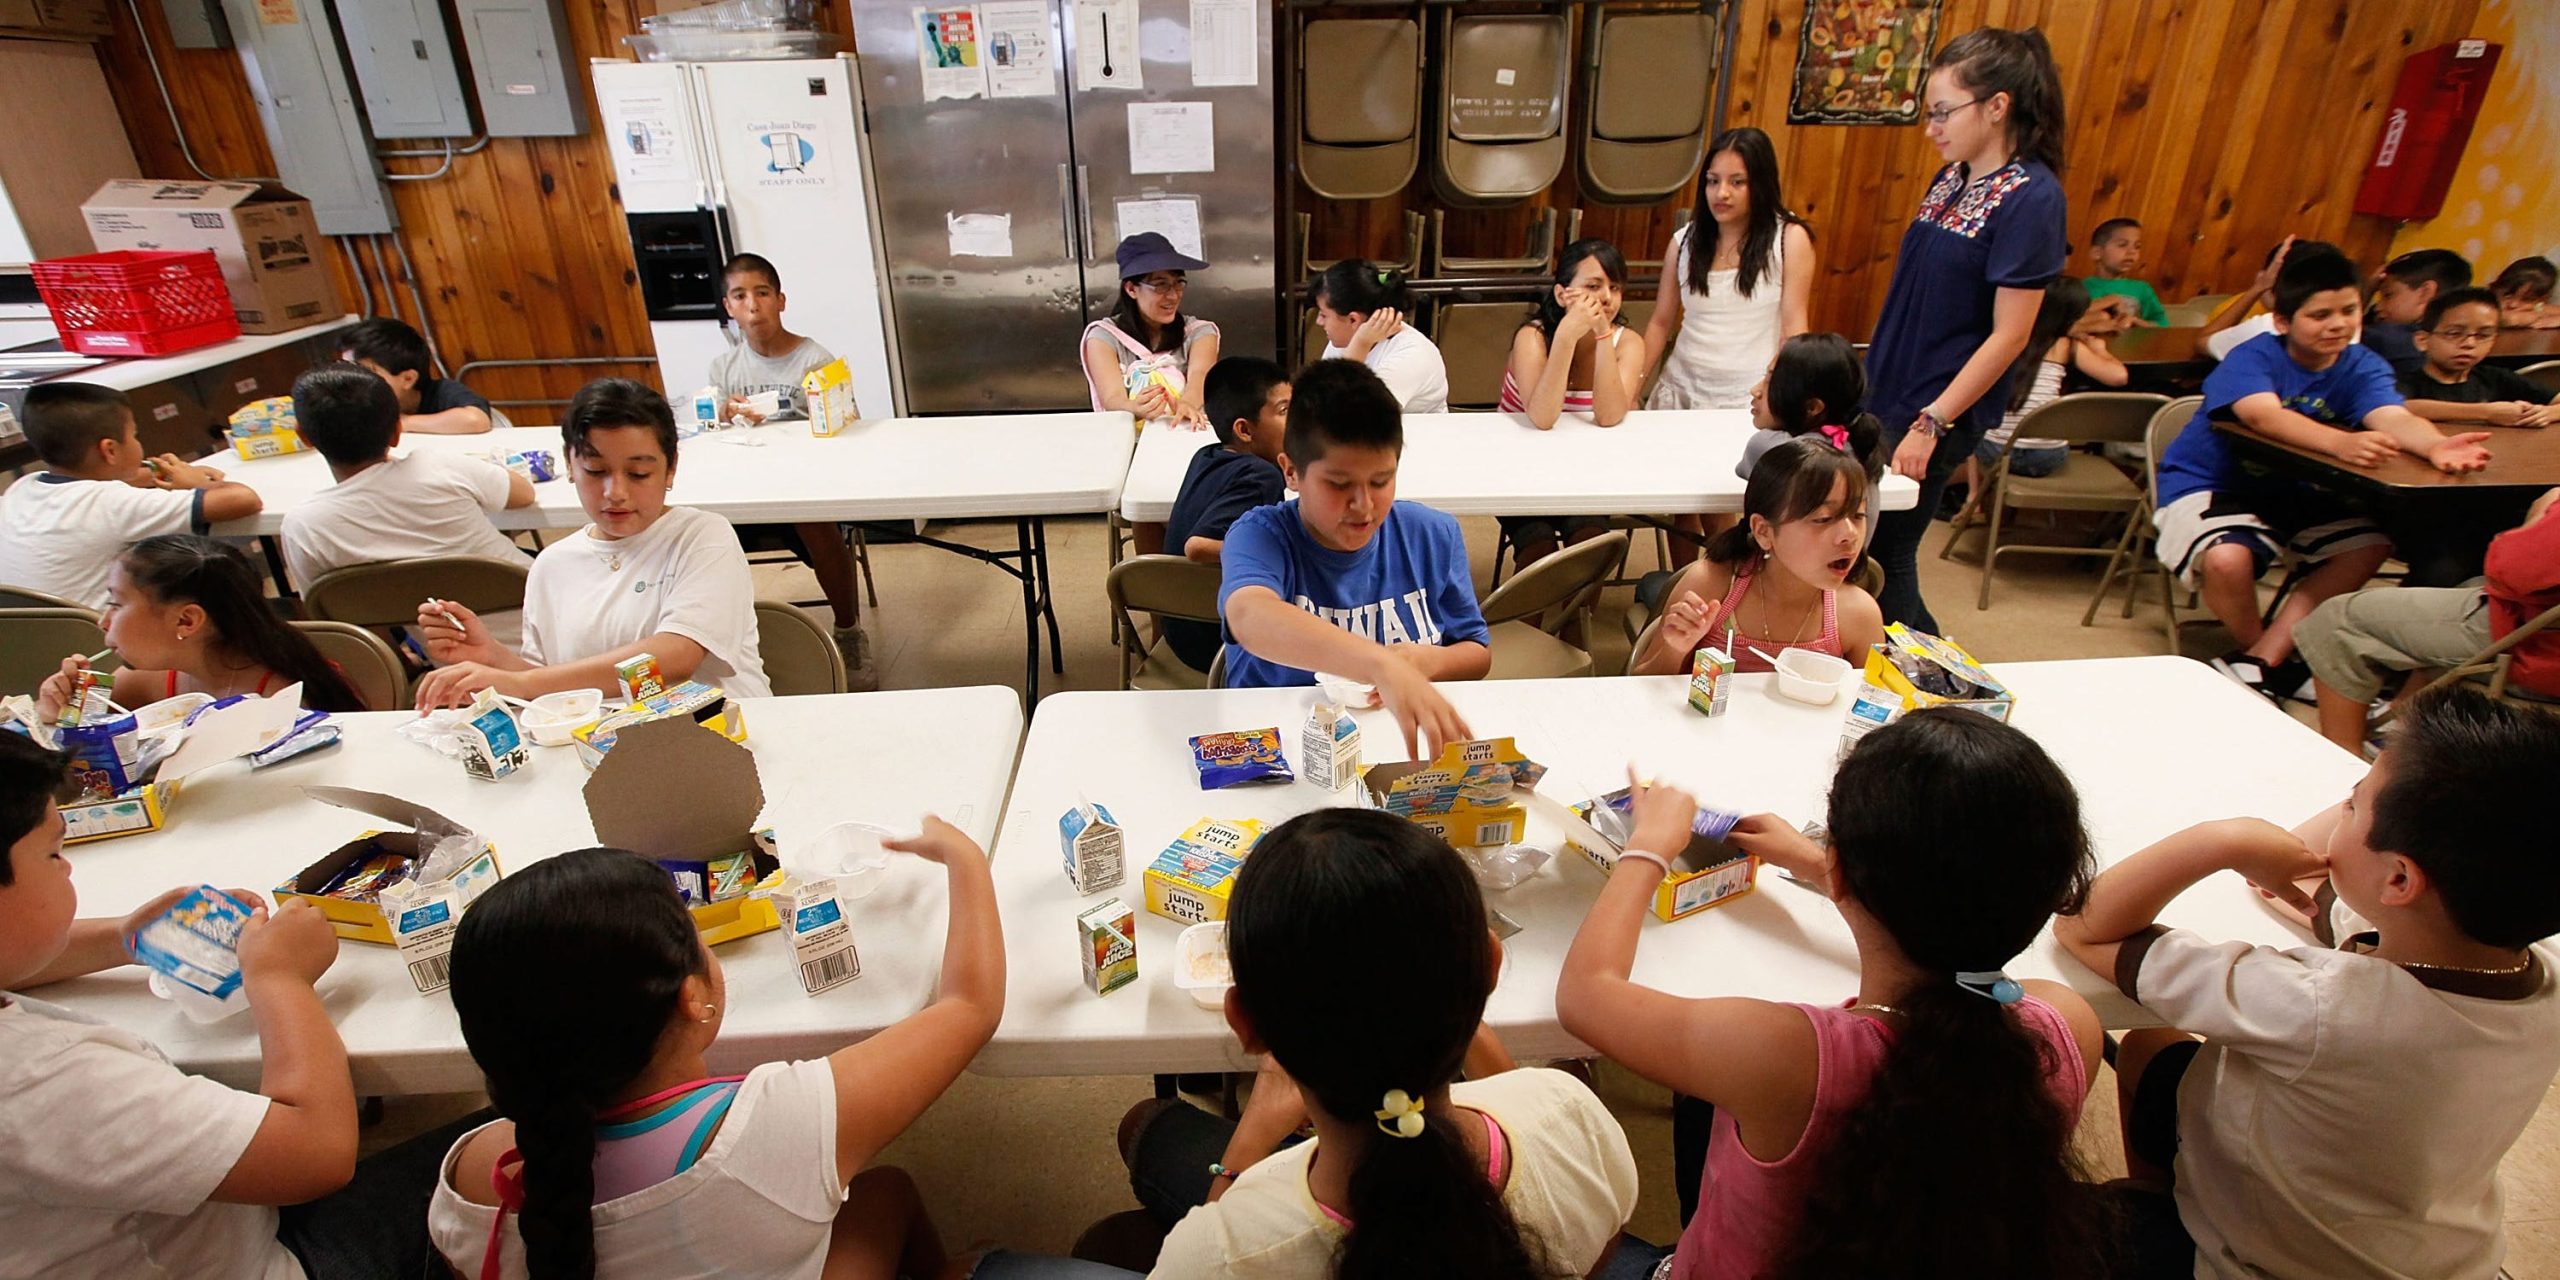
1862 61
947 61
1016 39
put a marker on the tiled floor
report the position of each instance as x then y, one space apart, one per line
943 620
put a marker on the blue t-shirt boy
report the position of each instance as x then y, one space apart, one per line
2356 384
1410 585
1969 241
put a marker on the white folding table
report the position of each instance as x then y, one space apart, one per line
1656 462
884 758
1023 467
2127 731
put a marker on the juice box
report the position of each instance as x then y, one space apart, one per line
1107 936
1711 682
1329 747
1094 848
639 677
1191 879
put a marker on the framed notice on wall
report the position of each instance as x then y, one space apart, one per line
1862 61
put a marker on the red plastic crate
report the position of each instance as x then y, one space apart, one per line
137 302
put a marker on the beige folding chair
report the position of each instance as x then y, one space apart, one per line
1645 89
1636 648
30 598
799 652
1168 587
1537 256
1475 342
366 662
2545 375
1501 111
34 641
2135 557
1411 262
2491 667
1359 106
2086 481
1526 613
1218 669
387 593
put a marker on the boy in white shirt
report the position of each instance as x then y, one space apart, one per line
426 503
62 528
112 1161
2345 1112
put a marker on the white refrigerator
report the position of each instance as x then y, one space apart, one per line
773 152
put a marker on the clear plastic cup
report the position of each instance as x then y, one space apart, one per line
855 853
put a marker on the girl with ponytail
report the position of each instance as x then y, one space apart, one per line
1922 1128
1778 580
1361 307
1362 963
591 1006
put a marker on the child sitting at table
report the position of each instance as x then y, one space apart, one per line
186 615
422 503
1362 961
768 358
2454 386
621 1154
1361 307
1952 839
2308 386
1574 354
119 1164
2069 334
1780 579
2347 1106
2246 314
1816 385
2524 294
61 528
2357 642
429 405
1248 403
2400 298
1345 579
642 577
2115 254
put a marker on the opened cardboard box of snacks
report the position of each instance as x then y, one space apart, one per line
1469 796
703 704
1706 872
405 889
688 800
265 237
1913 669
264 428
127 768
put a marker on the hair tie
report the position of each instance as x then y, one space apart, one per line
1401 1116
1837 435
1991 984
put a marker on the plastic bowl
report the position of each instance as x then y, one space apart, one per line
856 854
1200 964
1810 677
552 717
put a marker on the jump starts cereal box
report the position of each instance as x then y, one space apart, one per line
1467 796
1190 880
1706 872
1913 669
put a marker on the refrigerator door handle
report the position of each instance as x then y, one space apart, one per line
714 174
1067 216
1084 208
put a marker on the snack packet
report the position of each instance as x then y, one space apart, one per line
1249 755
193 952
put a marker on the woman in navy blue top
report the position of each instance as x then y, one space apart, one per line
1968 280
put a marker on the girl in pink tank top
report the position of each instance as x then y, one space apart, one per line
1921 1127
1779 580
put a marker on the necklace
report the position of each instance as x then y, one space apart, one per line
608 552
2464 968
1766 598
1873 1007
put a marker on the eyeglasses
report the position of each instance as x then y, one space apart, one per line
1161 288
1940 115
2461 336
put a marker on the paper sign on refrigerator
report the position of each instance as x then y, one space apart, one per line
949 59
1019 49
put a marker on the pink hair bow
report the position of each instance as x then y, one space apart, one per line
1837 435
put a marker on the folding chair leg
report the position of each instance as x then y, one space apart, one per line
2168 607
862 565
2116 564
1991 544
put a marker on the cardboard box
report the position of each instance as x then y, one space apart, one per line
1706 872
143 808
223 731
264 428
672 793
1466 796
364 921
1889 691
828 393
266 239
1094 848
703 704
1189 881
1108 936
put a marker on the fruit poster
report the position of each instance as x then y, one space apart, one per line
1863 61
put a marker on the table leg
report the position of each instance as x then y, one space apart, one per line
274 552
1048 601
1030 613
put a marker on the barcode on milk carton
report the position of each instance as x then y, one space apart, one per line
827 971
821 938
432 973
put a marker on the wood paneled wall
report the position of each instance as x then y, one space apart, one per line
2223 125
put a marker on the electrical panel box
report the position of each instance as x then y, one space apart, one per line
403 61
519 59
197 24
290 51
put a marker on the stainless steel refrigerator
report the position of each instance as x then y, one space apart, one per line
1009 161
